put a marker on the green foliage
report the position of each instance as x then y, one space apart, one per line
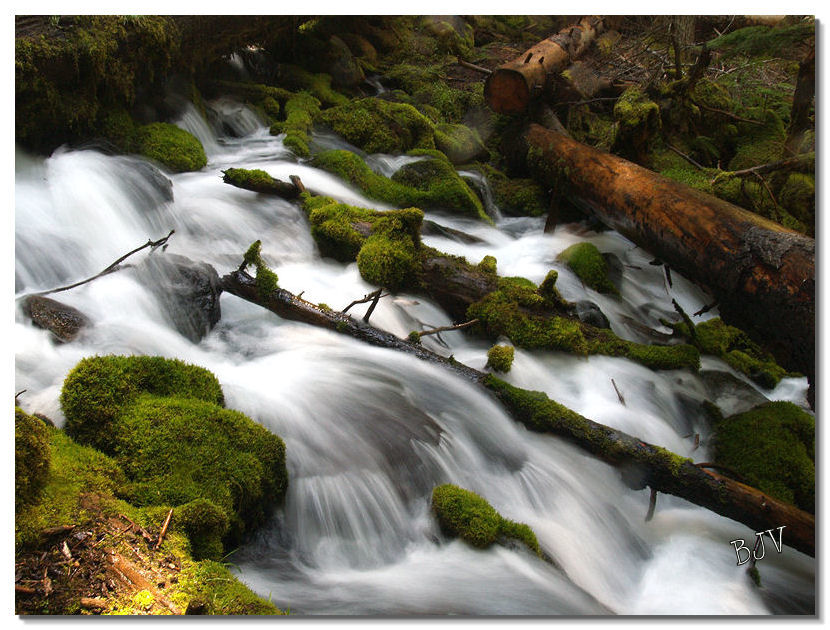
300 111
31 458
586 261
428 184
773 448
266 280
387 262
379 126
205 524
500 358
520 312
763 41
212 585
464 514
98 388
176 148
736 348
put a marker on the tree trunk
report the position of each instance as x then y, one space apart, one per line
641 464
762 274
805 88
510 87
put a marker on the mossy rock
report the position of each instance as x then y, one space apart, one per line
318 85
97 389
514 196
424 86
798 196
257 180
31 458
379 126
205 524
773 448
175 148
387 262
459 143
300 111
736 348
427 184
500 358
464 514
520 312
586 261
638 122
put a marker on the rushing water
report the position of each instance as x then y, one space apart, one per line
370 432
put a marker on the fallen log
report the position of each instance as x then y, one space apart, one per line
640 463
510 87
762 274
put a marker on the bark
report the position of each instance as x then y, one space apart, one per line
762 274
805 88
641 464
510 87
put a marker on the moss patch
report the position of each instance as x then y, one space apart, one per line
587 262
387 262
460 143
266 280
515 196
257 180
31 458
300 111
773 448
638 122
176 148
464 514
427 184
500 358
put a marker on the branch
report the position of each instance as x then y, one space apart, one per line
366 298
446 328
112 268
472 66
727 114
792 163
684 156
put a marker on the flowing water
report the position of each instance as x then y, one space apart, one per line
370 432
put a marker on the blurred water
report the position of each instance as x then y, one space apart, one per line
370 432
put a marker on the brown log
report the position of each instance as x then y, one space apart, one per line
762 274
509 88
640 463
93 603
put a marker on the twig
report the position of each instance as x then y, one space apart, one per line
771 196
446 328
727 114
686 320
24 590
705 309
789 163
113 267
163 529
298 183
652 503
366 298
375 301
619 394
697 442
684 156
93 602
667 269
472 66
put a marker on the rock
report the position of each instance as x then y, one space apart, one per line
188 290
590 313
344 69
64 322
360 47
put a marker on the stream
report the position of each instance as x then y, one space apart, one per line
369 432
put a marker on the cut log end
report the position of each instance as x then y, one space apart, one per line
506 91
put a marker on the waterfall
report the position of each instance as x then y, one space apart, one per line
370 432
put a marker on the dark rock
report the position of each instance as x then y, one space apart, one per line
431 228
64 322
615 268
188 290
733 394
590 313
344 69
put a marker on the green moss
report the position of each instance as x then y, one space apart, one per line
379 126
488 264
205 524
638 122
460 143
98 388
500 358
300 111
31 458
736 348
773 448
518 311
548 288
763 41
318 85
119 128
414 337
427 89
387 262
266 280
256 180
589 127
176 148
427 184
341 230
464 514
798 196
587 263
214 587
514 196
759 144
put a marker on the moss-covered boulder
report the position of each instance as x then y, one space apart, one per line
464 514
430 184
459 143
773 448
175 148
205 524
586 261
31 458
520 312
300 111
736 348
500 358
163 422
379 126
387 262
638 122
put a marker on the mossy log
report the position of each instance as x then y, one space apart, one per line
259 181
761 273
510 87
641 464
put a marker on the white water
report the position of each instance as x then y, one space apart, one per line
370 432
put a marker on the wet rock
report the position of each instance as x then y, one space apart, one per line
732 394
431 228
188 290
590 313
64 322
